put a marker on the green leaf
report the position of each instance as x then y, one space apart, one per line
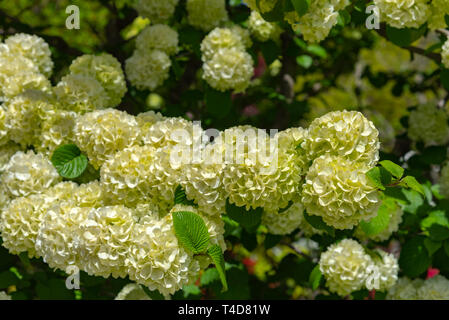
271 240
69 161
276 14
249 220
317 50
301 6
318 223
154 295
209 276
412 183
380 222
379 176
432 246
414 259
304 61
191 231
217 257
315 277
218 103
181 198
404 37
395 170
270 50
437 225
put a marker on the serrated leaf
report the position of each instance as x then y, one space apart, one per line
380 222
318 223
414 259
412 183
379 176
436 224
301 6
191 231
217 257
249 220
405 36
315 277
209 276
69 161
395 170
181 198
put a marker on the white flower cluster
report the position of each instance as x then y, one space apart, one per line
403 13
227 66
347 268
263 30
429 125
435 288
206 14
149 66
158 11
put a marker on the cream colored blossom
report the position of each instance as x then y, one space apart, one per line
403 13
344 266
343 133
206 14
263 30
263 6
285 222
4 296
156 10
317 23
220 38
106 69
383 272
34 48
105 239
132 291
103 133
428 124
28 173
81 93
158 37
148 70
24 114
435 288
146 119
229 69
339 191
243 33
6 152
405 289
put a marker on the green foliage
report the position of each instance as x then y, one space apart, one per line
191 231
69 161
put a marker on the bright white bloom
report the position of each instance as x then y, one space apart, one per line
405 289
158 37
148 70
316 24
103 133
132 291
6 152
403 13
244 34
435 288
28 173
229 69
34 48
220 38
206 14
429 124
156 10
284 222
383 272
261 29
81 93
339 191
146 119
344 133
345 267
107 70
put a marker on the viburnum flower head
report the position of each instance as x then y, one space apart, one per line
403 13
107 70
346 134
435 288
383 272
428 124
220 38
229 69
261 29
285 222
405 289
158 11
339 191
344 265
206 14
158 37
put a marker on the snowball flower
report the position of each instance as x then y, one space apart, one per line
261 29
343 133
220 38
435 288
6 152
206 14
81 93
285 222
383 272
107 70
339 191
229 69
34 48
160 37
28 173
148 70
405 289
103 133
317 23
403 13
344 266
428 124
156 10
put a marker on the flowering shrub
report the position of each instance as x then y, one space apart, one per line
225 149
